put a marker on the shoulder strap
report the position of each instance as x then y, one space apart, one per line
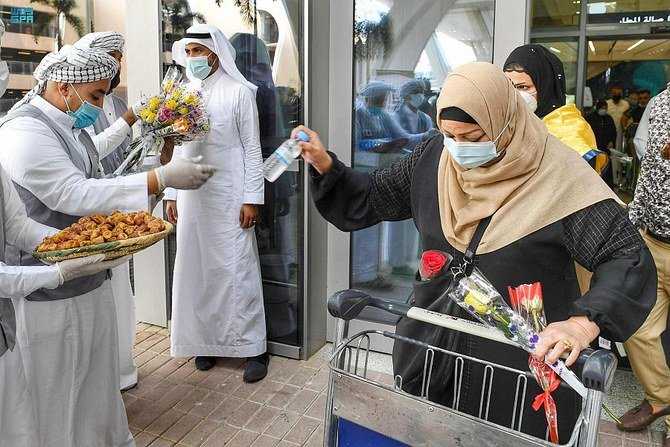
476 239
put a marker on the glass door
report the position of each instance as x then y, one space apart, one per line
403 50
268 39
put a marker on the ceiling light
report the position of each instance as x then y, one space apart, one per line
555 50
639 42
592 47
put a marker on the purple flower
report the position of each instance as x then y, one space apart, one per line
534 339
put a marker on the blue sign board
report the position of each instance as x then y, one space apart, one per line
21 15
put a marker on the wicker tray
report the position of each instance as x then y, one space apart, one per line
111 250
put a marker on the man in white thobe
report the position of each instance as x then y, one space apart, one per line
68 336
112 134
17 412
217 308
616 107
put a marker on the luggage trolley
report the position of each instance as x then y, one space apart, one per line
363 412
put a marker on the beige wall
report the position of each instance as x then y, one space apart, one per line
110 15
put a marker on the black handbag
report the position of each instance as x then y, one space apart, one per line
409 359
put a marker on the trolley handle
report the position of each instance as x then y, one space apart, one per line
598 367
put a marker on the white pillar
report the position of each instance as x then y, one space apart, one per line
143 67
511 28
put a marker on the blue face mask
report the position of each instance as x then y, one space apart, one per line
199 66
602 112
471 154
86 114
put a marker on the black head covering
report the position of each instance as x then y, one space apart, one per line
546 71
456 114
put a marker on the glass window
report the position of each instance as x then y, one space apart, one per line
402 53
566 50
268 46
609 7
555 13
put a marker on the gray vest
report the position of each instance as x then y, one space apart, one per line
113 160
7 319
39 212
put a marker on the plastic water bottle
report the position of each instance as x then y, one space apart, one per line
281 158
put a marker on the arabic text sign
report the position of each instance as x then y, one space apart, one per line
21 15
633 18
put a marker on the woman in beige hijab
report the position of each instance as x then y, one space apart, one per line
549 209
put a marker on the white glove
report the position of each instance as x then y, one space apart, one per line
184 173
90 265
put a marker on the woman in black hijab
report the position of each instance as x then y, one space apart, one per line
537 71
538 76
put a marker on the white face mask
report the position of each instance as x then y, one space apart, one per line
530 100
4 77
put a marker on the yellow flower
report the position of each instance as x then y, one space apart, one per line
171 104
154 103
183 110
151 116
177 94
189 99
477 301
144 113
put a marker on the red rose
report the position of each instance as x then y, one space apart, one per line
432 263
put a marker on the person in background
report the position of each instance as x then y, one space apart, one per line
217 293
632 98
650 212
632 117
68 335
408 115
252 59
376 129
616 107
428 106
111 133
604 129
538 76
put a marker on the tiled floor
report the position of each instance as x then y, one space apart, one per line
175 404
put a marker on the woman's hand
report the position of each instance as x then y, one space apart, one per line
313 151
572 335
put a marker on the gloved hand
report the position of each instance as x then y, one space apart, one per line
137 107
184 173
90 265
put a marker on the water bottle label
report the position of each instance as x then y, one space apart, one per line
284 155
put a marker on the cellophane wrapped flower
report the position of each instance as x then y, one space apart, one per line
433 264
527 301
477 296
177 111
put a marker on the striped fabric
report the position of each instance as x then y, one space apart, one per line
106 41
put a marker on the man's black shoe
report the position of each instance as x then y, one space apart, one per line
256 368
205 363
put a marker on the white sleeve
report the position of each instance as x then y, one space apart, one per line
19 282
109 139
171 193
642 132
20 231
246 115
34 159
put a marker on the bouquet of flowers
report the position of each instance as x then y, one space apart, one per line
176 111
527 301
